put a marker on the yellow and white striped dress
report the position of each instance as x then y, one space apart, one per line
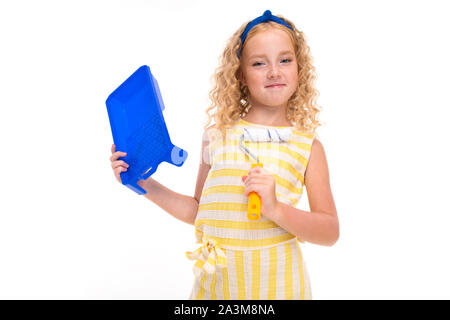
240 258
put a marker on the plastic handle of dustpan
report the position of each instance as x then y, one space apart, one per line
175 156
254 202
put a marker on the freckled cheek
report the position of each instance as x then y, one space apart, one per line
256 80
293 75
255 84
294 80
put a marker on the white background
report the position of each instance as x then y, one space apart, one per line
69 230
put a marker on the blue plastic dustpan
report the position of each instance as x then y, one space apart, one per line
138 128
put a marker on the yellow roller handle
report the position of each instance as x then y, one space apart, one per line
254 202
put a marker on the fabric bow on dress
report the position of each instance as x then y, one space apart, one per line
209 256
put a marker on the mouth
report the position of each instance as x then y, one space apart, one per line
276 85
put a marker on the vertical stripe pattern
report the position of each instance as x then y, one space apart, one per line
258 259
288 285
256 274
273 273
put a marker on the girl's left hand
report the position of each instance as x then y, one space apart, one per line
263 183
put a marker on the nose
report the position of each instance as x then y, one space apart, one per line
273 72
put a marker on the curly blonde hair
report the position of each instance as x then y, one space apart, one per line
230 99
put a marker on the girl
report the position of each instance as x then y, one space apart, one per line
265 80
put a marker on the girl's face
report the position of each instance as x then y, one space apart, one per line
269 68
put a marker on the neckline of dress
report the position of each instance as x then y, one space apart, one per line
242 121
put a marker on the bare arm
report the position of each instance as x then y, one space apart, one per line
321 225
178 205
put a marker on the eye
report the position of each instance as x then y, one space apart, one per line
287 60
257 64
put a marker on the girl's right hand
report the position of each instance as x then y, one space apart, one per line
118 166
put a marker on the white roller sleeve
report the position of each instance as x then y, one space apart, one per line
261 134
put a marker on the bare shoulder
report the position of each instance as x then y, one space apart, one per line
317 180
208 131
317 163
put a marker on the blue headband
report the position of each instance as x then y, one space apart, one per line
267 16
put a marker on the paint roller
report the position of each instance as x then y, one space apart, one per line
276 135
